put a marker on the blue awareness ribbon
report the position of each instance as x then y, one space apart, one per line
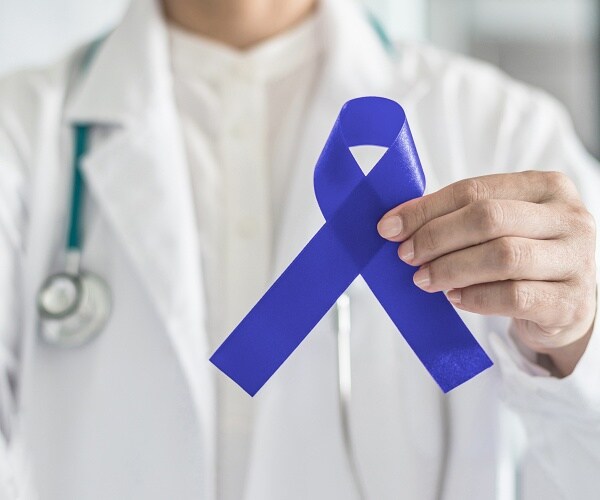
347 246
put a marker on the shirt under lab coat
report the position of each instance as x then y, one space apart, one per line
239 147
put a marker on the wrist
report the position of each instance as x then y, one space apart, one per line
561 362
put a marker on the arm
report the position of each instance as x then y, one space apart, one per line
522 245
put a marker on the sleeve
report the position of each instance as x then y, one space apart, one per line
561 416
12 223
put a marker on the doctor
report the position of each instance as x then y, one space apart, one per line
206 119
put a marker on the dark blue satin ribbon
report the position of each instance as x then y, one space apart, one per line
349 245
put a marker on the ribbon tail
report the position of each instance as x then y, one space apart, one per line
287 313
428 322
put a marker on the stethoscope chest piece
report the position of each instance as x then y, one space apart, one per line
73 308
74 305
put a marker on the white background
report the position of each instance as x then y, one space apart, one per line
38 31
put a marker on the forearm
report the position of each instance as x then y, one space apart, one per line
561 417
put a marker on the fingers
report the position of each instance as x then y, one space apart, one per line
538 303
532 186
480 222
507 258
519 245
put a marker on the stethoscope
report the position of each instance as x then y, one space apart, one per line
343 328
74 304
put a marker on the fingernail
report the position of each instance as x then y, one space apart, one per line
407 251
422 277
454 296
391 226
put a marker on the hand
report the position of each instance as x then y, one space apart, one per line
520 245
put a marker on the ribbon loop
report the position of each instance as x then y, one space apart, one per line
348 245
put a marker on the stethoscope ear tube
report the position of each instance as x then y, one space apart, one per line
344 358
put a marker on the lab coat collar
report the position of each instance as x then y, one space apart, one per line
136 170
127 73
130 68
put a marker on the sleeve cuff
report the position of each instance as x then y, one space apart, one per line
529 387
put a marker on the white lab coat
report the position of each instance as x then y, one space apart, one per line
131 415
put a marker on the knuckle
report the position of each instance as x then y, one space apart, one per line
509 255
565 221
589 222
488 216
468 191
440 272
582 237
585 222
420 214
521 297
580 314
579 303
426 240
480 299
558 183
554 180
577 313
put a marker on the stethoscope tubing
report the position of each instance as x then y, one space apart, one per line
344 362
79 321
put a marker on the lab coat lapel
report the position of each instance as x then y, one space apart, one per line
136 173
